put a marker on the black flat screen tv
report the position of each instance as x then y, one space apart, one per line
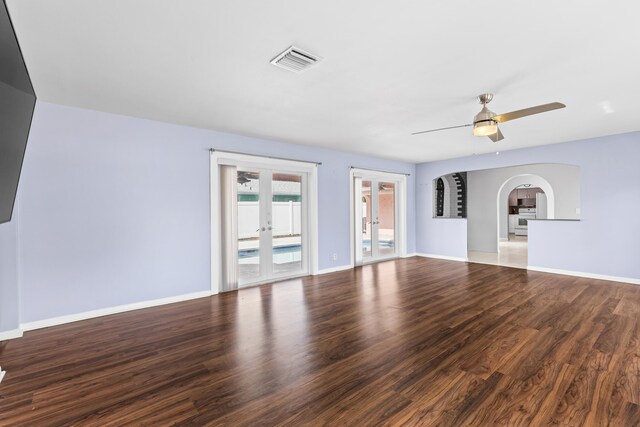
17 102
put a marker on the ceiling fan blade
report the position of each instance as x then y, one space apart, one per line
501 118
435 130
498 136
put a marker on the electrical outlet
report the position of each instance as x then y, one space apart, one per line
335 257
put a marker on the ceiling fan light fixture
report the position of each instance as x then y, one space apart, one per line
485 128
485 123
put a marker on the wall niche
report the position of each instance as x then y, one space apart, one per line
450 196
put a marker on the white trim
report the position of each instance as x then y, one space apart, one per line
216 235
312 225
411 255
586 275
401 207
257 161
355 208
509 185
352 220
381 259
448 258
54 321
9 335
274 279
333 269
2 374
546 270
378 175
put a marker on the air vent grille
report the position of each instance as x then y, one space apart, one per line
295 59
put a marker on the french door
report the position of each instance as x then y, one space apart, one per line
271 225
376 218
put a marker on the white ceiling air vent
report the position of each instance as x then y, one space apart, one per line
295 59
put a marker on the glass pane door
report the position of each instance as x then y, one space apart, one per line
386 218
375 219
271 225
366 223
248 226
286 217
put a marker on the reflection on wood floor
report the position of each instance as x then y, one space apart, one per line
413 342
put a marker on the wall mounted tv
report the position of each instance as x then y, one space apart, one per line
17 102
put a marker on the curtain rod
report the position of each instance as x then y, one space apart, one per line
266 156
379 170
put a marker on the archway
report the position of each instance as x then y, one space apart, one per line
520 249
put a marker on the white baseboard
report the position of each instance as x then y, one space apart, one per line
333 269
9 335
586 275
409 255
448 258
29 326
54 321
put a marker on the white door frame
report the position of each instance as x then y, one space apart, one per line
250 161
401 202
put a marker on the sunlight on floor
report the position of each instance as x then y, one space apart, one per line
513 253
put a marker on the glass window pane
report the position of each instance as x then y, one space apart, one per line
386 218
248 226
366 218
286 221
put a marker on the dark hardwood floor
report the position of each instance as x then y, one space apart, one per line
408 342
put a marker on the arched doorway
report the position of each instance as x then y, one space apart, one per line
520 199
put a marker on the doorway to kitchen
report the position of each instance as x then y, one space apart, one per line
526 202
520 199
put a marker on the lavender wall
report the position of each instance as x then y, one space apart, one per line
9 318
603 242
115 210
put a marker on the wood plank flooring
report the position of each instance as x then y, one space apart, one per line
408 342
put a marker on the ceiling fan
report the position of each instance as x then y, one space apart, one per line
485 123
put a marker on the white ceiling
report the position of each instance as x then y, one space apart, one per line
390 68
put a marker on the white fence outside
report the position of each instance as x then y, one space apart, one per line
285 217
